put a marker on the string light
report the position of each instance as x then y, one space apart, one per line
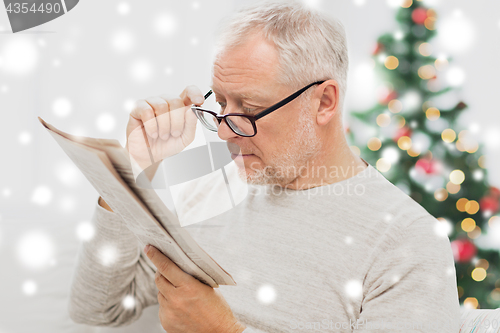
482 162
448 135
404 143
478 274
374 144
399 120
383 165
457 177
483 263
406 3
432 113
356 150
440 194
468 224
412 152
494 220
430 21
441 63
395 106
472 207
425 49
452 188
383 120
391 62
474 233
461 204
426 72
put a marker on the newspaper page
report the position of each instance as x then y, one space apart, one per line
106 165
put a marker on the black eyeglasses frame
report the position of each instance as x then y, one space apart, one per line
251 118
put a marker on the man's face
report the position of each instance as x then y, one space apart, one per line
245 78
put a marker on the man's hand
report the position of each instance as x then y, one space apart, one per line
186 304
162 125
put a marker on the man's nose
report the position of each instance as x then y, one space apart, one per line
224 132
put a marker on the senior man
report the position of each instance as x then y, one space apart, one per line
342 249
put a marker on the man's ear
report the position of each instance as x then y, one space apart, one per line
328 95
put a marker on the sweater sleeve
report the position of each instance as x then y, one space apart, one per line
113 280
411 285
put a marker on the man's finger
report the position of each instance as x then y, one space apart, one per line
160 107
192 95
177 110
144 112
164 286
167 267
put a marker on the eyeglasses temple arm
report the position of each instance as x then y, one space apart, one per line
286 100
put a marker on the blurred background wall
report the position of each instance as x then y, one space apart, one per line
83 71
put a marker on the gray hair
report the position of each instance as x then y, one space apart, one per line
311 46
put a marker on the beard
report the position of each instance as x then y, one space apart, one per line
284 165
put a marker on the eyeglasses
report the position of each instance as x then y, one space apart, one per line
240 123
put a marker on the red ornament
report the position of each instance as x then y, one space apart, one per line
429 166
495 192
387 97
489 203
379 47
463 250
403 131
419 15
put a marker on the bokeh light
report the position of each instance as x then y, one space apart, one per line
266 294
374 144
129 302
443 227
456 34
391 62
457 177
141 70
468 224
391 155
394 3
448 135
354 289
41 195
29 287
105 122
19 55
61 107
6 192
122 41
123 8
383 165
165 24
478 274
455 76
68 174
411 101
24 137
35 249
363 83
85 231
129 105
108 254
67 204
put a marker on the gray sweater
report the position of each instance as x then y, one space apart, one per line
358 255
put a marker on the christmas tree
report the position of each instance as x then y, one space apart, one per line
418 144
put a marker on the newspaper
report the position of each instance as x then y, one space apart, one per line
106 164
